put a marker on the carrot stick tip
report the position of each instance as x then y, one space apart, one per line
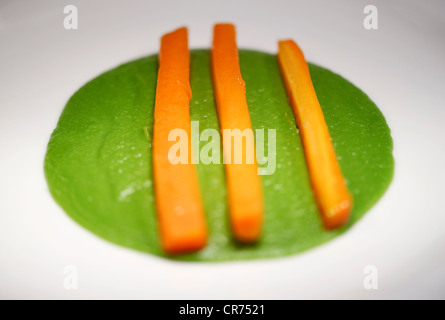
338 215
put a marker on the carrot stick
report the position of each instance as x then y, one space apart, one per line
333 198
180 210
243 183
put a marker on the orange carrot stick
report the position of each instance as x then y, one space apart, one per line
180 211
243 183
328 183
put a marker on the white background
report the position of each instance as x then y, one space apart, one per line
400 65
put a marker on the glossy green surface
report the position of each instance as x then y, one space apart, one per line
98 163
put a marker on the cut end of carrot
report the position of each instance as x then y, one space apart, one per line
224 26
172 43
289 43
180 243
247 229
176 31
337 215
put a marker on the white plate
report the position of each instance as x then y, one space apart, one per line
400 65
